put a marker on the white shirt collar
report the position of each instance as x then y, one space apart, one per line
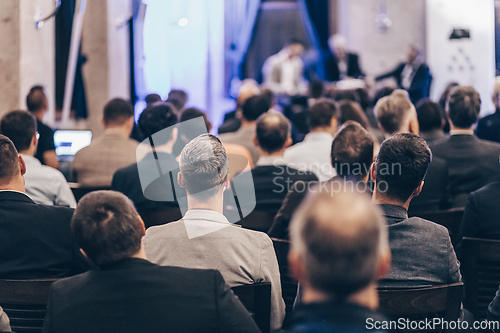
462 132
315 136
270 160
31 159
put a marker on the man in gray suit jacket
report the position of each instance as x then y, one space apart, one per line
204 238
422 253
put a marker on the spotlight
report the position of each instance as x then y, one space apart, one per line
183 21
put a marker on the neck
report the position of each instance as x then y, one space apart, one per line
39 114
328 130
215 203
468 130
381 199
14 185
280 153
367 297
122 130
141 254
29 152
247 123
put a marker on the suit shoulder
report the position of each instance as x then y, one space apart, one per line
56 211
487 192
432 227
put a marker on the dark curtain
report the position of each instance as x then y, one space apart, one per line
276 23
64 25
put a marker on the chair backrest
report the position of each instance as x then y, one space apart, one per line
449 218
258 220
257 300
25 302
159 217
481 272
288 282
406 302
80 191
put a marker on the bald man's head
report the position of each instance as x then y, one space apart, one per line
273 131
339 238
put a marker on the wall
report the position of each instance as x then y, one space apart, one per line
380 52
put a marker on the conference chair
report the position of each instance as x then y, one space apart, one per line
258 220
408 302
159 217
80 191
25 302
481 273
257 300
449 218
288 282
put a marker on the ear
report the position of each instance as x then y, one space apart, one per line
238 114
373 173
209 127
417 191
22 165
288 142
34 141
103 123
174 134
413 125
334 124
384 263
255 141
143 226
180 180
295 266
85 255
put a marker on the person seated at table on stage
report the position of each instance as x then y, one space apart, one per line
340 63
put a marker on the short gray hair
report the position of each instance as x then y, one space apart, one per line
393 110
203 166
340 238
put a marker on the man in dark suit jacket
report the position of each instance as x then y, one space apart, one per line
130 294
396 114
339 63
351 156
472 163
153 119
35 240
422 253
413 76
272 178
488 128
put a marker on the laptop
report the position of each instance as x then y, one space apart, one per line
68 142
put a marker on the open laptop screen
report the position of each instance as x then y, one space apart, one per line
68 142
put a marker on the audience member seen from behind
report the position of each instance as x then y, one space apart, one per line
204 238
422 253
35 240
488 128
472 162
313 153
351 156
272 177
244 136
396 114
155 118
109 232
95 164
37 103
45 185
338 252
430 121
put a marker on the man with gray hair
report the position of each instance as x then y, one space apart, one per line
204 238
339 249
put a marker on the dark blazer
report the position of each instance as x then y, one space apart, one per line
135 295
481 217
420 85
272 184
127 181
435 194
36 240
472 164
494 308
421 251
279 228
488 128
332 72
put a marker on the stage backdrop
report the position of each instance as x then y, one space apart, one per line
461 46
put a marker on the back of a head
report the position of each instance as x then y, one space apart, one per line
350 110
192 113
255 106
152 98
107 227
272 130
155 118
393 110
464 105
179 97
351 95
36 99
496 92
401 165
340 237
381 93
117 112
429 115
321 113
446 93
364 98
203 166
316 88
248 89
20 127
9 161
352 150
